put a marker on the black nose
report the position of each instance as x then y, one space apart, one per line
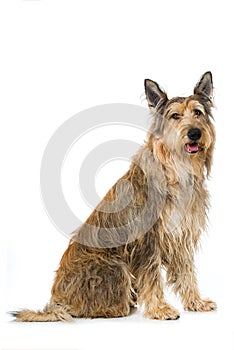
194 134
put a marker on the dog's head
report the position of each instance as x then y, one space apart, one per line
182 126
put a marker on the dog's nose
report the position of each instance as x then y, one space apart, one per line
194 134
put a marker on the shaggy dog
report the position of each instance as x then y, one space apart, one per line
152 218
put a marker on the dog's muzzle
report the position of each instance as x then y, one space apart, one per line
194 135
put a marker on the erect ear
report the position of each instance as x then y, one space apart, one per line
205 85
154 93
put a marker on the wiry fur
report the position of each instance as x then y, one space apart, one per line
151 218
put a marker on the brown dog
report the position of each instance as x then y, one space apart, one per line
151 218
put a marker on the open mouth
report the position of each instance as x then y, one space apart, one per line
192 147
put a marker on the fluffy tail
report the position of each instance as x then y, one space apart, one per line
51 313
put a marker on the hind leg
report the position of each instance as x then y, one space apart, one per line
97 286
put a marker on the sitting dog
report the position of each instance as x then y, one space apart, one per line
152 218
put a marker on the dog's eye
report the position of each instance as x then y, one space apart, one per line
197 112
175 116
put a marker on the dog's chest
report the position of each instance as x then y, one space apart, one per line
185 208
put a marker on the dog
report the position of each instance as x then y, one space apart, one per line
150 220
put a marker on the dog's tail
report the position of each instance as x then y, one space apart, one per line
51 313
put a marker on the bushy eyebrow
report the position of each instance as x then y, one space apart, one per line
174 107
197 105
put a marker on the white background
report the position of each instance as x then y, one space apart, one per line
60 57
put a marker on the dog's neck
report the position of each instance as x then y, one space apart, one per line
177 166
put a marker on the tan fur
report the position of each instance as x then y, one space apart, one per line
147 221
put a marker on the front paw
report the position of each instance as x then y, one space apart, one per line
201 305
162 312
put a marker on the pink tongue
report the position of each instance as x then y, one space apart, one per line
193 147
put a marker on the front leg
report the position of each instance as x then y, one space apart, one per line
181 275
150 289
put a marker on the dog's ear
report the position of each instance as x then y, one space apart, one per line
205 86
154 94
